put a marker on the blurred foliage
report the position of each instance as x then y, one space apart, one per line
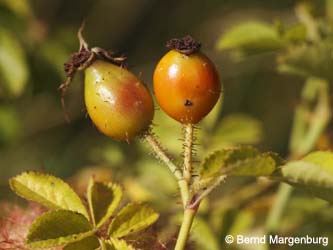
266 52
251 38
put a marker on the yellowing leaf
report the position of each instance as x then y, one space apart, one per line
13 65
103 199
89 243
131 219
58 227
47 190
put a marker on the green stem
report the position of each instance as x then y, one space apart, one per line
189 210
184 191
185 228
275 215
183 178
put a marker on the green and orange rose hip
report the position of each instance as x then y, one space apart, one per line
117 101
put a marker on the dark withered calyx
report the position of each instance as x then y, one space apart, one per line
186 45
75 61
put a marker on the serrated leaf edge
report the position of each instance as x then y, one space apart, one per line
153 218
49 243
236 164
51 204
111 208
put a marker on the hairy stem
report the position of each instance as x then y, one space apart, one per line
183 178
188 147
161 154
185 228
190 210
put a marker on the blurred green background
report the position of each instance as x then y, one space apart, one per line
263 67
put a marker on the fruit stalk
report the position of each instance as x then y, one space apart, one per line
189 209
188 148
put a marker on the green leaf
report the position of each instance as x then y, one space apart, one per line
251 37
314 174
262 165
13 66
306 60
103 200
118 244
238 129
241 161
131 219
47 190
58 227
89 243
213 163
